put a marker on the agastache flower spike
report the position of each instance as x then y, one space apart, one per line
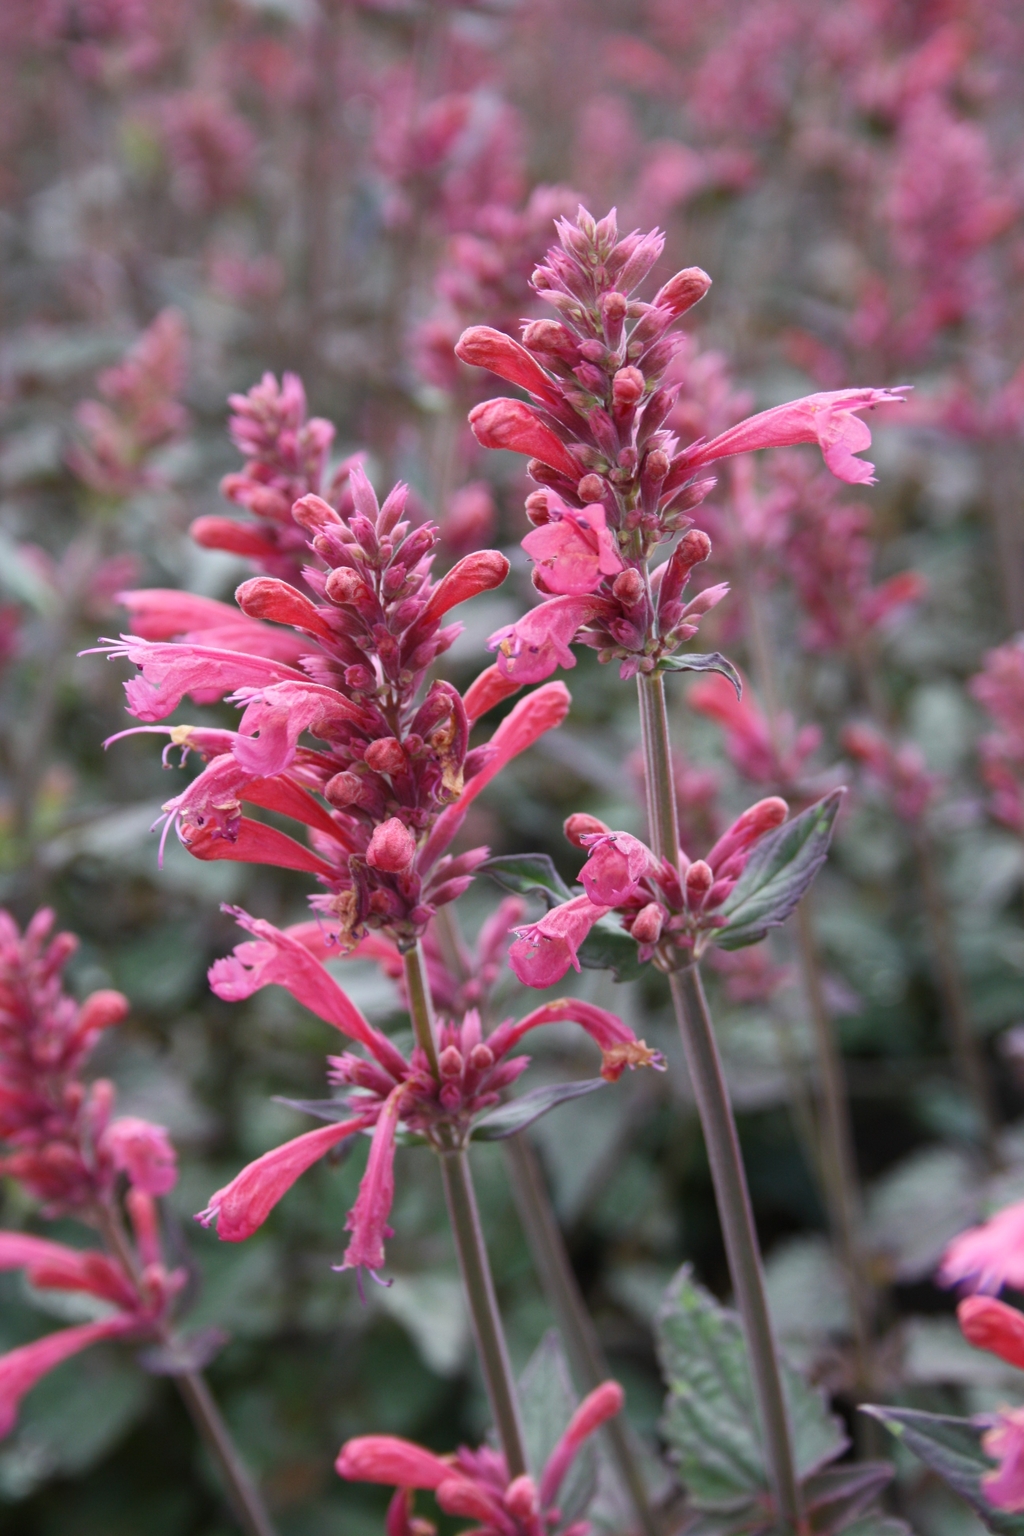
594 430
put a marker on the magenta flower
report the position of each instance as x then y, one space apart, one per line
1004 1442
828 419
987 1257
385 1090
475 1484
573 549
142 1151
536 644
615 864
545 950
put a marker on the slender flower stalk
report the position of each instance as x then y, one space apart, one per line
728 1175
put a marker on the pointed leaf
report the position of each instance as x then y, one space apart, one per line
517 1114
952 1448
528 874
713 661
877 1524
710 1416
333 1110
837 1497
608 947
547 1401
779 870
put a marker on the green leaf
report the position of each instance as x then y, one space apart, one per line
779 870
952 1448
841 1496
547 1401
528 874
692 661
608 947
710 1417
517 1114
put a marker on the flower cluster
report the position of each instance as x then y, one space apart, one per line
981 1261
476 1484
672 910
999 689
763 751
617 482
139 412
382 1090
68 1152
390 785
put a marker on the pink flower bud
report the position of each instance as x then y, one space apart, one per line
236 538
144 1152
551 339
521 1498
628 587
684 290
483 347
481 1058
512 424
386 755
266 598
591 488
616 862
345 585
392 847
343 790
450 1061
992 1325
763 817
313 513
648 923
627 390
100 1010
537 508
473 574
698 882
580 825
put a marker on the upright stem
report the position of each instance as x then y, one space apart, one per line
586 1357
199 1400
483 1305
966 1050
728 1176
467 1232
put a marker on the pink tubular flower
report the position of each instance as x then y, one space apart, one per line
827 419
536 644
512 424
573 549
987 1257
142 1151
545 950
244 1205
367 1220
1005 1443
993 1326
21 1368
615 863
476 1484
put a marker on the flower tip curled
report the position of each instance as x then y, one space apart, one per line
629 1053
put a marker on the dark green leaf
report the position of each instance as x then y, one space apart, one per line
548 1402
839 1496
952 1448
710 1416
779 870
517 1114
528 874
691 661
608 947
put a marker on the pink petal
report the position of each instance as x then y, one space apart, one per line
387 1459
367 1220
21 1368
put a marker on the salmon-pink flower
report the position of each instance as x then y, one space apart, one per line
596 1409
244 1205
728 856
1004 1442
21 1368
573 550
615 863
993 1326
536 644
514 425
618 1044
389 1460
144 1152
987 1257
545 950
827 419
367 1220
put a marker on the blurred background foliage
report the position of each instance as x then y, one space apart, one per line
336 189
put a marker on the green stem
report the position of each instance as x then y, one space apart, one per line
199 1400
483 1305
586 1357
470 1247
726 1162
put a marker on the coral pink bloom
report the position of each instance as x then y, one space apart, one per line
23 1367
536 644
573 549
275 957
993 1326
826 419
53 1266
483 347
170 671
987 1257
142 1151
514 425
544 951
728 856
244 1204
167 614
389 1460
615 864
1005 1443
619 1046
596 1408
367 1220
